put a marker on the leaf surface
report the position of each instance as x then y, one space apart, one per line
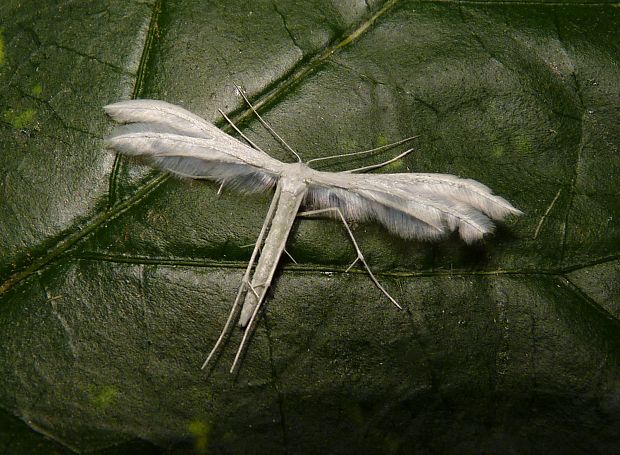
116 280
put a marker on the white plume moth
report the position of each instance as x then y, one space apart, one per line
410 205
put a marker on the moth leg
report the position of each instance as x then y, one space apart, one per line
360 256
246 277
352 264
290 257
376 166
234 311
267 125
285 252
250 326
363 152
250 287
247 139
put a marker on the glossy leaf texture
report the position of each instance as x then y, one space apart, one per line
116 279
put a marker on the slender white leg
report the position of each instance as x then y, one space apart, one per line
249 327
267 125
291 197
246 277
360 256
363 152
251 288
289 256
376 166
285 252
352 264
247 139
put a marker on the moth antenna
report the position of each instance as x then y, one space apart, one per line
266 125
377 149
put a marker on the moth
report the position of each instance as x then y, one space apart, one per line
421 206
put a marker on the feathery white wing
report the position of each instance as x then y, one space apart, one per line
420 206
161 113
182 143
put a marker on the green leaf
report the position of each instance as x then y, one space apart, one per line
115 280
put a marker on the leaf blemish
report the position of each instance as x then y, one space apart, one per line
37 90
200 430
2 51
103 397
19 120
